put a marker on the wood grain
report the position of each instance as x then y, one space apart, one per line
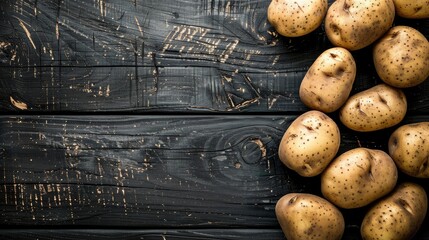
130 234
155 55
149 172
142 171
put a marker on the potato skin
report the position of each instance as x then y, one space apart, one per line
308 216
329 80
358 177
415 9
355 24
409 148
401 57
397 216
296 18
376 108
310 143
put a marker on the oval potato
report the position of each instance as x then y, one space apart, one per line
355 24
409 148
329 80
296 18
310 143
401 57
376 108
413 9
358 177
308 216
397 216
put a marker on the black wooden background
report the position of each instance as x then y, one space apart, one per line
146 119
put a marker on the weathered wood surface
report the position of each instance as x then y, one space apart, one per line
143 172
130 234
158 55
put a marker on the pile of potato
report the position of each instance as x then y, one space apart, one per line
310 146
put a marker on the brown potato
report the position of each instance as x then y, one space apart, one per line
307 216
296 18
310 143
401 57
355 24
397 216
329 81
413 9
376 108
409 148
358 177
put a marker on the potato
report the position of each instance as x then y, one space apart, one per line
398 216
307 216
296 18
376 108
329 81
415 9
358 177
409 148
355 24
310 143
401 57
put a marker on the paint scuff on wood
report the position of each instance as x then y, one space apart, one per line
18 104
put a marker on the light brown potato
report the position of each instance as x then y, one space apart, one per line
409 148
307 216
355 24
401 57
413 9
358 177
310 143
328 82
398 216
376 108
296 18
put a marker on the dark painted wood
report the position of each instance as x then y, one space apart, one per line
167 234
130 234
142 171
158 55
153 172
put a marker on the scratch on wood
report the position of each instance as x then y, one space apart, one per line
35 8
155 71
190 34
249 83
18 104
261 147
102 6
228 51
27 32
138 26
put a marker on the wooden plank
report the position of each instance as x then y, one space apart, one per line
150 172
163 234
167 234
141 171
130 234
155 55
